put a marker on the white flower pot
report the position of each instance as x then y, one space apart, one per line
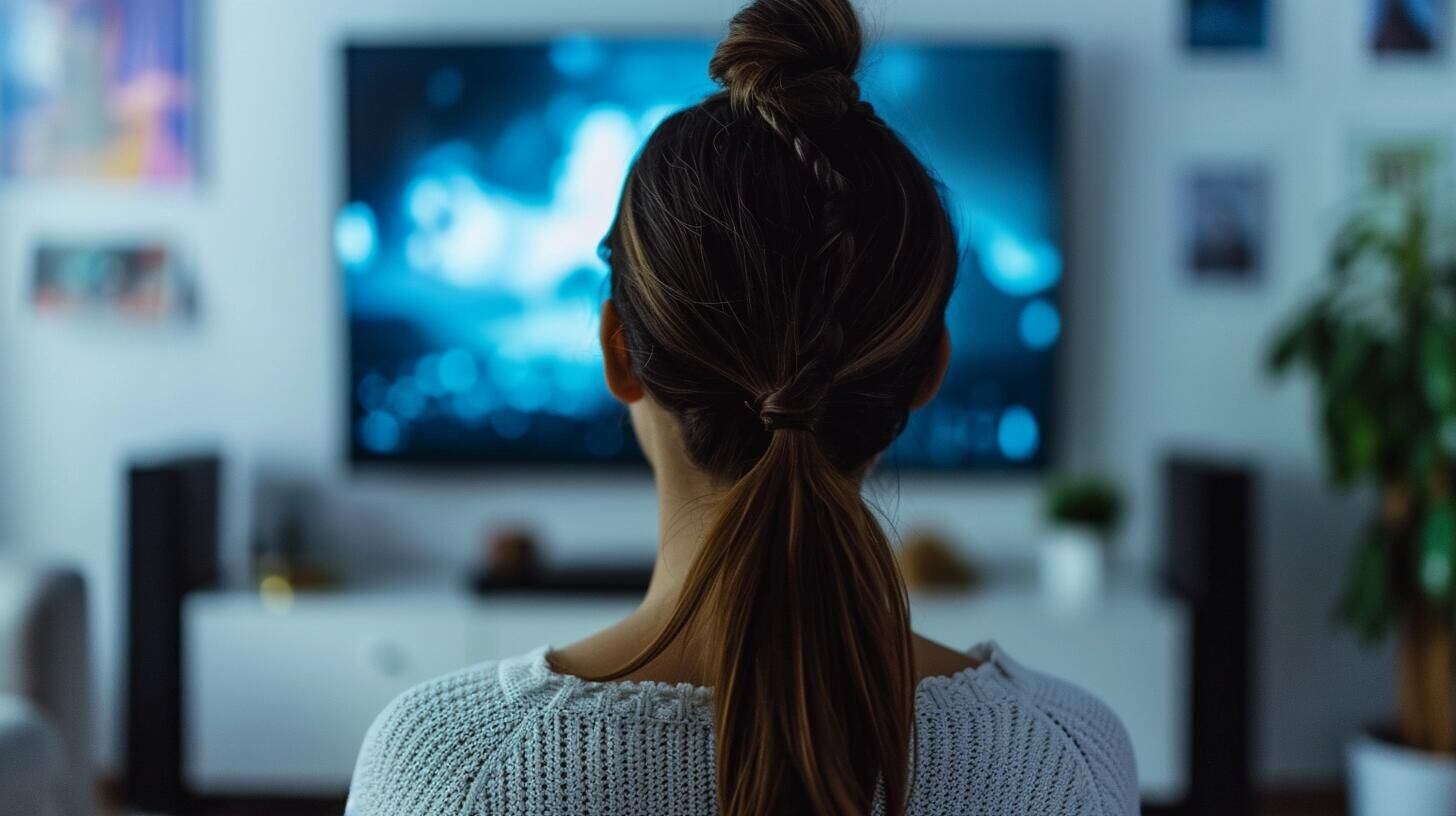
1390 780
1072 568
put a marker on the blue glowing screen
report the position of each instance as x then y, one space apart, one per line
481 180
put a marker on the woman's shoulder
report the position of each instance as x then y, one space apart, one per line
424 748
1067 721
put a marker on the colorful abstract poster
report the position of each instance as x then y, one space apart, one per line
98 89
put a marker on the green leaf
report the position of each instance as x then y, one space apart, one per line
1362 441
1091 501
1425 457
1438 537
1360 237
1298 341
1351 365
1353 437
1288 346
1367 605
1438 367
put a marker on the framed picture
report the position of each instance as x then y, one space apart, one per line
139 282
1406 27
1227 26
1397 167
98 89
1225 221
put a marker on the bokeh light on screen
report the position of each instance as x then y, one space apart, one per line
476 206
356 235
1017 267
1040 324
1018 434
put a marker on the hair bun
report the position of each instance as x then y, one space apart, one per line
791 58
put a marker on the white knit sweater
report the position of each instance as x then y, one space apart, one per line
514 737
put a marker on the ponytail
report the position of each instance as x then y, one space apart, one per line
796 596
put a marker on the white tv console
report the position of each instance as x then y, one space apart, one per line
278 699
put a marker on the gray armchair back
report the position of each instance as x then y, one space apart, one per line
45 660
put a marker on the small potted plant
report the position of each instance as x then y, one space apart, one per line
1379 340
1083 513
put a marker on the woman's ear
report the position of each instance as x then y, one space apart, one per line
621 379
937 374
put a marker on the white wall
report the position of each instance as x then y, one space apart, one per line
1151 362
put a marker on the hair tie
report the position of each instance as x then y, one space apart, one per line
777 417
780 422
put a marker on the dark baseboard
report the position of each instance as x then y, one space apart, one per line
112 802
1278 800
1304 800
270 806
1274 800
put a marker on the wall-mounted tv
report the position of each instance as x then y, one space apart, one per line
482 177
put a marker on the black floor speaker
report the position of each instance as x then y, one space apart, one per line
1210 532
172 539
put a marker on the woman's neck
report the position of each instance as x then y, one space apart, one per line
687 501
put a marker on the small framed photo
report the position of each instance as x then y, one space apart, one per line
1225 221
1400 167
1406 28
1232 27
128 282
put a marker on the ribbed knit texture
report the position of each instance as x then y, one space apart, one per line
513 737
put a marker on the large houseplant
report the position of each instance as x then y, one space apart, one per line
1380 342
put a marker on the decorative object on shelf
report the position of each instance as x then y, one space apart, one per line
1083 513
98 90
1406 27
929 561
282 547
1225 215
1380 342
132 282
1227 26
512 554
280 580
512 561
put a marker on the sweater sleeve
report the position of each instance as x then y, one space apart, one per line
1098 737
421 755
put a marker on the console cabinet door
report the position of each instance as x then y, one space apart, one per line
278 701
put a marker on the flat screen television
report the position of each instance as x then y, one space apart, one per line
481 179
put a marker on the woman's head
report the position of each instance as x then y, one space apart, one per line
780 258
781 264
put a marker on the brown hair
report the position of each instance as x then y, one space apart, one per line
781 264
